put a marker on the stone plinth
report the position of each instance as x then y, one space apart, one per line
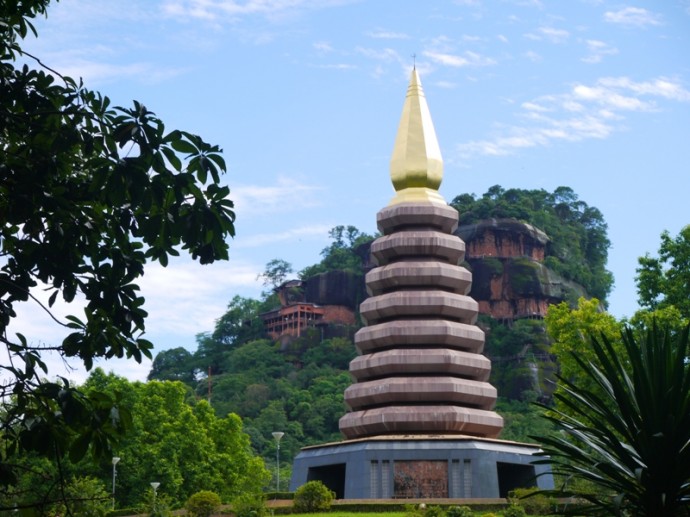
419 466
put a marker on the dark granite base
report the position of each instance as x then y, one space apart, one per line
387 467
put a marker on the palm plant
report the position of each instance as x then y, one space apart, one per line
629 436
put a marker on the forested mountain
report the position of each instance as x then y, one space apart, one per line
578 243
295 383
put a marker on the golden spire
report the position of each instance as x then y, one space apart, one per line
416 164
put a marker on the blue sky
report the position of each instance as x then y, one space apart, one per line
304 97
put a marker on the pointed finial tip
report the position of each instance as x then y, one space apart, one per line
416 164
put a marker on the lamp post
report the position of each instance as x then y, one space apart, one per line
154 485
277 436
115 460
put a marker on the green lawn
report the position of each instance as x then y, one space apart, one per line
350 514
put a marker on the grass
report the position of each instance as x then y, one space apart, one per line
350 514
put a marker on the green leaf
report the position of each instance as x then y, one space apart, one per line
52 298
172 158
183 146
79 447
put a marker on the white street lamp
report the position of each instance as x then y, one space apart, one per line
115 460
154 485
277 436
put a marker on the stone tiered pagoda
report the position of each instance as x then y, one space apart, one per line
421 422
420 368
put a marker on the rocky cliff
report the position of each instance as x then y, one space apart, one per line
509 279
514 290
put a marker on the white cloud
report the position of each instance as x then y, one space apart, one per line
585 112
532 56
533 106
597 50
182 299
86 13
660 87
610 98
272 199
233 9
386 54
186 298
294 234
95 73
569 104
383 34
573 130
446 84
554 35
457 61
102 63
550 34
502 38
338 66
322 47
632 17
446 59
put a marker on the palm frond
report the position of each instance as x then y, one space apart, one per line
629 433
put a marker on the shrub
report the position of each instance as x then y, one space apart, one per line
434 511
279 495
533 502
514 510
124 512
459 511
412 510
202 504
313 496
84 496
249 505
155 504
422 510
161 508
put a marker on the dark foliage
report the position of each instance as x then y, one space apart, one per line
89 194
342 254
664 281
579 245
627 442
522 368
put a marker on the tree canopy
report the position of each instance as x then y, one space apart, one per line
276 272
578 247
89 194
664 281
342 254
173 438
569 330
181 443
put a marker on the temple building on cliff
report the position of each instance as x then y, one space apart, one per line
421 422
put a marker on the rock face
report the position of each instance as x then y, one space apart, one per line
510 280
420 368
335 288
328 300
513 286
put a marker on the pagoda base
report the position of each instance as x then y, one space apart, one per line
427 466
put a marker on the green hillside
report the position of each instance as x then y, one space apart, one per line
296 384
